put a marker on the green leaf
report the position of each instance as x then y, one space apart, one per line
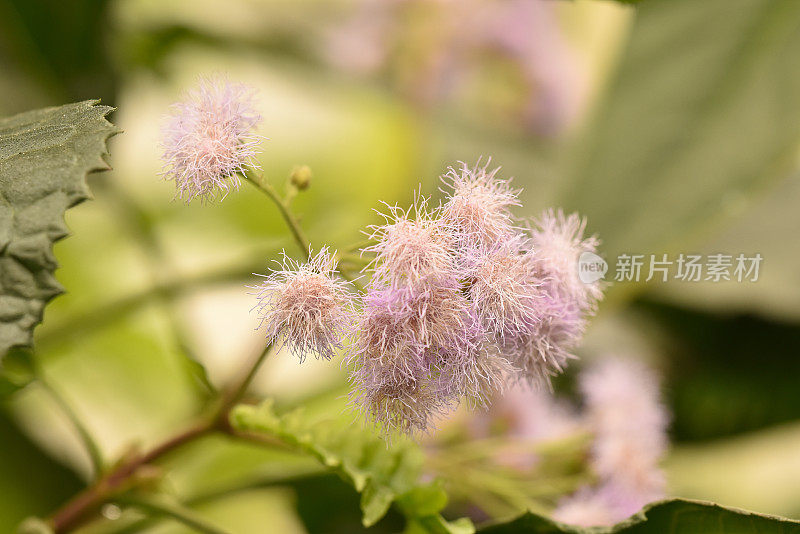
701 113
45 156
47 483
382 473
422 506
677 515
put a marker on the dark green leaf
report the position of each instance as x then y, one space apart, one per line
44 158
677 515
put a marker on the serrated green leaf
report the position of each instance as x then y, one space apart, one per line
45 156
676 515
700 115
382 474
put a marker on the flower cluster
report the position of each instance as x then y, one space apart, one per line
208 139
463 300
460 301
306 307
629 427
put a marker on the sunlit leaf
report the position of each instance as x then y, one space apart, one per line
381 473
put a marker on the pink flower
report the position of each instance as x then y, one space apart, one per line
588 507
306 307
208 139
543 350
476 211
504 289
564 302
408 406
411 245
629 424
558 242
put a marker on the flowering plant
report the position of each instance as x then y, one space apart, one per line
460 365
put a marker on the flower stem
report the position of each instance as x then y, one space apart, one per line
118 480
95 456
235 394
121 478
161 507
265 187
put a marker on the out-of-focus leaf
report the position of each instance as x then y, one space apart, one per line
34 525
766 463
768 228
44 158
46 485
726 374
32 50
677 515
702 112
380 473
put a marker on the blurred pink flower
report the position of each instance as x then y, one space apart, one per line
629 424
429 48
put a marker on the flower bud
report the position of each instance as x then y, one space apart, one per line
301 177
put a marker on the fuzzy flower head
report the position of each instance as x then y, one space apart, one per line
305 306
391 344
477 378
544 348
629 424
409 246
476 210
208 139
408 333
558 241
504 289
409 407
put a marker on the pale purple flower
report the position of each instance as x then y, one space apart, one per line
629 424
406 334
209 139
564 302
558 241
306 307
409 407
391 343
462 302
476 210
504 289
587 507
543 350
477 376
411 245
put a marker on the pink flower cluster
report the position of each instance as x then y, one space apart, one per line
463 300
208 140
629 424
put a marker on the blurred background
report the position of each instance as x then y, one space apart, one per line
674 126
